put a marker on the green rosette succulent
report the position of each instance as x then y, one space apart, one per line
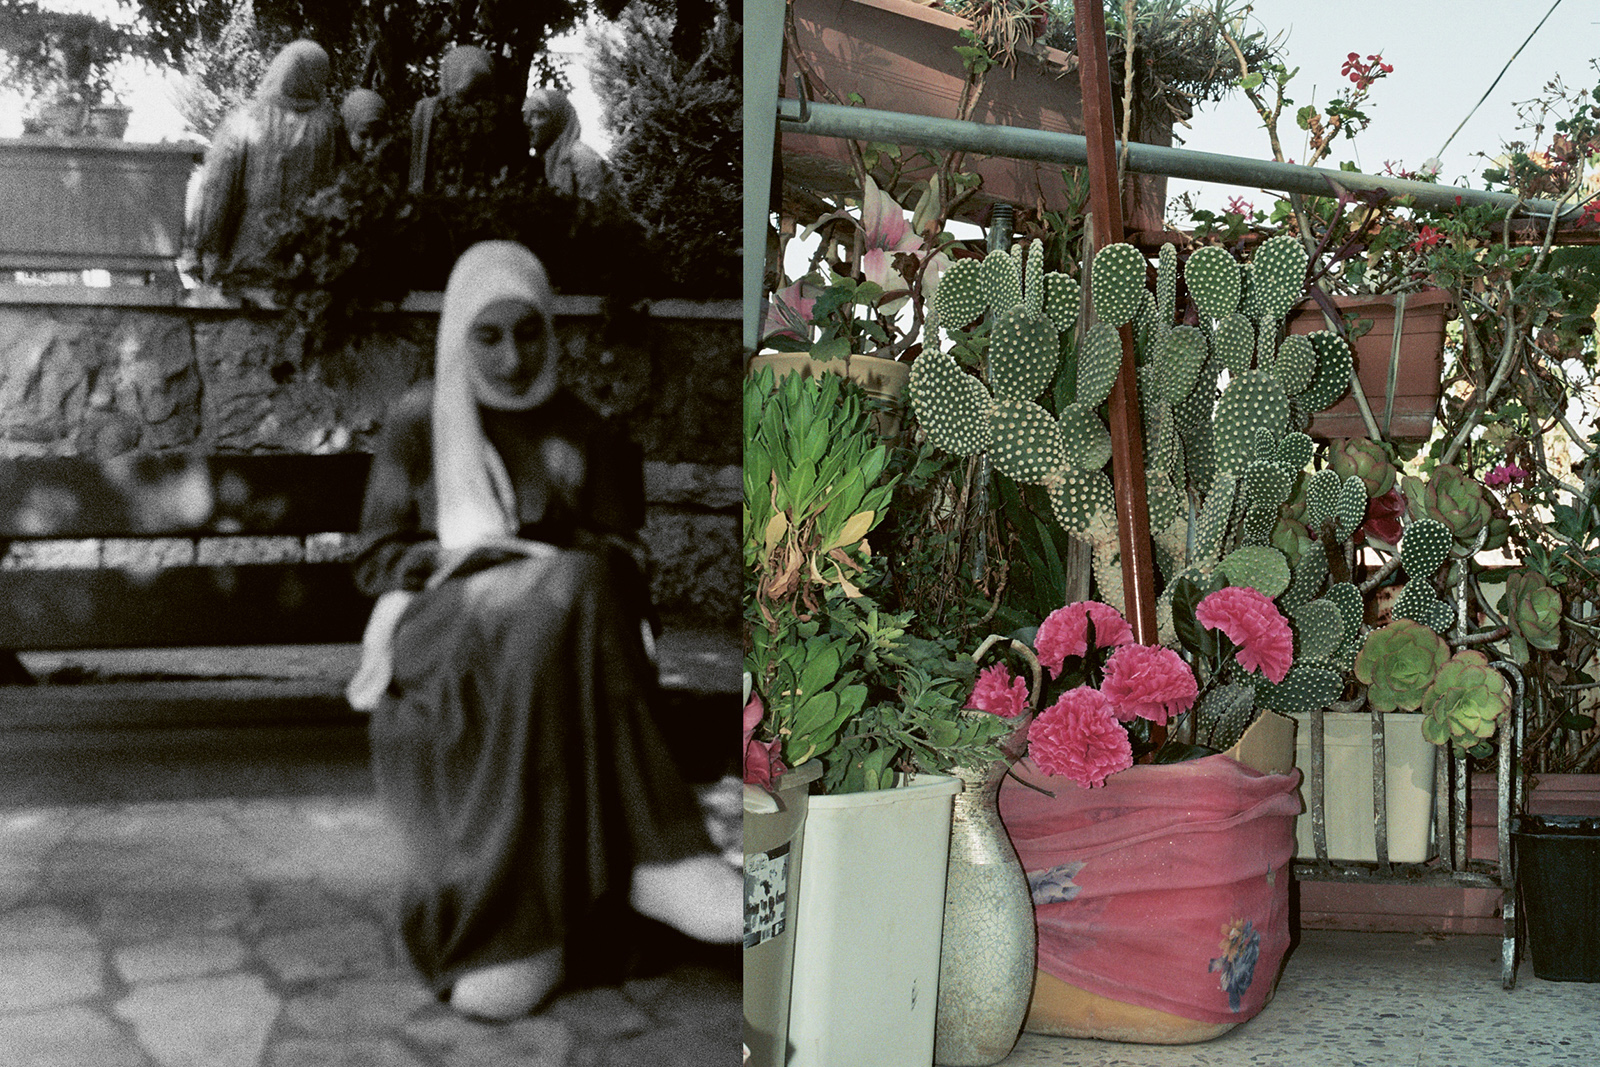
1465 703
1292 538
1365 459
1533 609
1458 501
1398 663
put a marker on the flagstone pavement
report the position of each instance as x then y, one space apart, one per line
196 897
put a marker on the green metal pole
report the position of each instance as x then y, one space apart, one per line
889 127
763 53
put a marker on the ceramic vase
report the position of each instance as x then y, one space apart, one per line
986 964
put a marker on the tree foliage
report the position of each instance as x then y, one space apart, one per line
678 134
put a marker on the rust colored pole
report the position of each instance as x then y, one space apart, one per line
1127 436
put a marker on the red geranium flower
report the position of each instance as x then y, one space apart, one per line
1148 682
1078 737
1251 621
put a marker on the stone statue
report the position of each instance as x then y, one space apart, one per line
562 160
365 115
467 135
266 159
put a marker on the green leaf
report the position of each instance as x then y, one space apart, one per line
1253 80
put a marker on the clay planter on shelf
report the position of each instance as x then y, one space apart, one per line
900 56
883 379
1418 365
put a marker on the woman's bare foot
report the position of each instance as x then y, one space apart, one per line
508 991
701 896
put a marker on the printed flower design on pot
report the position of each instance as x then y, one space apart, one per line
1241 948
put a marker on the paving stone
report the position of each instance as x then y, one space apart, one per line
363 1006
152 914
348 847
334 951
713 1042
684 992
46 977
600 1014
296 905
203 1022
539 1041
111 867
43 926
27 837
184 956
17 882
66 1037
312 1052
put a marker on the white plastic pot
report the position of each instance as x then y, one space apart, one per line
871 916
1347 748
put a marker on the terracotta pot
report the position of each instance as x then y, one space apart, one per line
1407 413
900 56
883 379
109 120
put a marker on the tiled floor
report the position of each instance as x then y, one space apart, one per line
250 933
1379 1000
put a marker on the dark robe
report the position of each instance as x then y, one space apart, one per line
516 746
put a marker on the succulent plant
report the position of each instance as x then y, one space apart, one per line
1398 662
1533 609
1459 501
1465 703
1365 459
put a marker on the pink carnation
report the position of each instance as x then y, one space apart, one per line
999 693
1252 621
1078 737
1148 682
761 762
1065 632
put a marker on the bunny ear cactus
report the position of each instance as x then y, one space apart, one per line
1398 663
1465 703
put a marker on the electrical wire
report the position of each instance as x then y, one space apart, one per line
1440 154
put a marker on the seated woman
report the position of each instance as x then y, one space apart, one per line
513 742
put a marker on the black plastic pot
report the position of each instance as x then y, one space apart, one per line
1558 875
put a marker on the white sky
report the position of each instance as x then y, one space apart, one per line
1445 54
149 91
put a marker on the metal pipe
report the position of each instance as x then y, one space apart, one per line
865 124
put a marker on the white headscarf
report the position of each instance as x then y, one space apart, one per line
474 493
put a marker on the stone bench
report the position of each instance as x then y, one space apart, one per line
181 592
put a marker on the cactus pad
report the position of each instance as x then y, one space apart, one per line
1351 510
1294 451
1085 441
1077 497
1002 285
1424 547
1182 353
1117 283
1023 353
1261 567
1235 343
1307 686
1418 601
1025 444
1213 279
959 299
1033 284
952 406
1295 365
1278 275
1167 284
1319 626
1253 401
1322 497
1334 366
1099 363
1061 300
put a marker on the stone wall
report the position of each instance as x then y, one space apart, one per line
101 372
